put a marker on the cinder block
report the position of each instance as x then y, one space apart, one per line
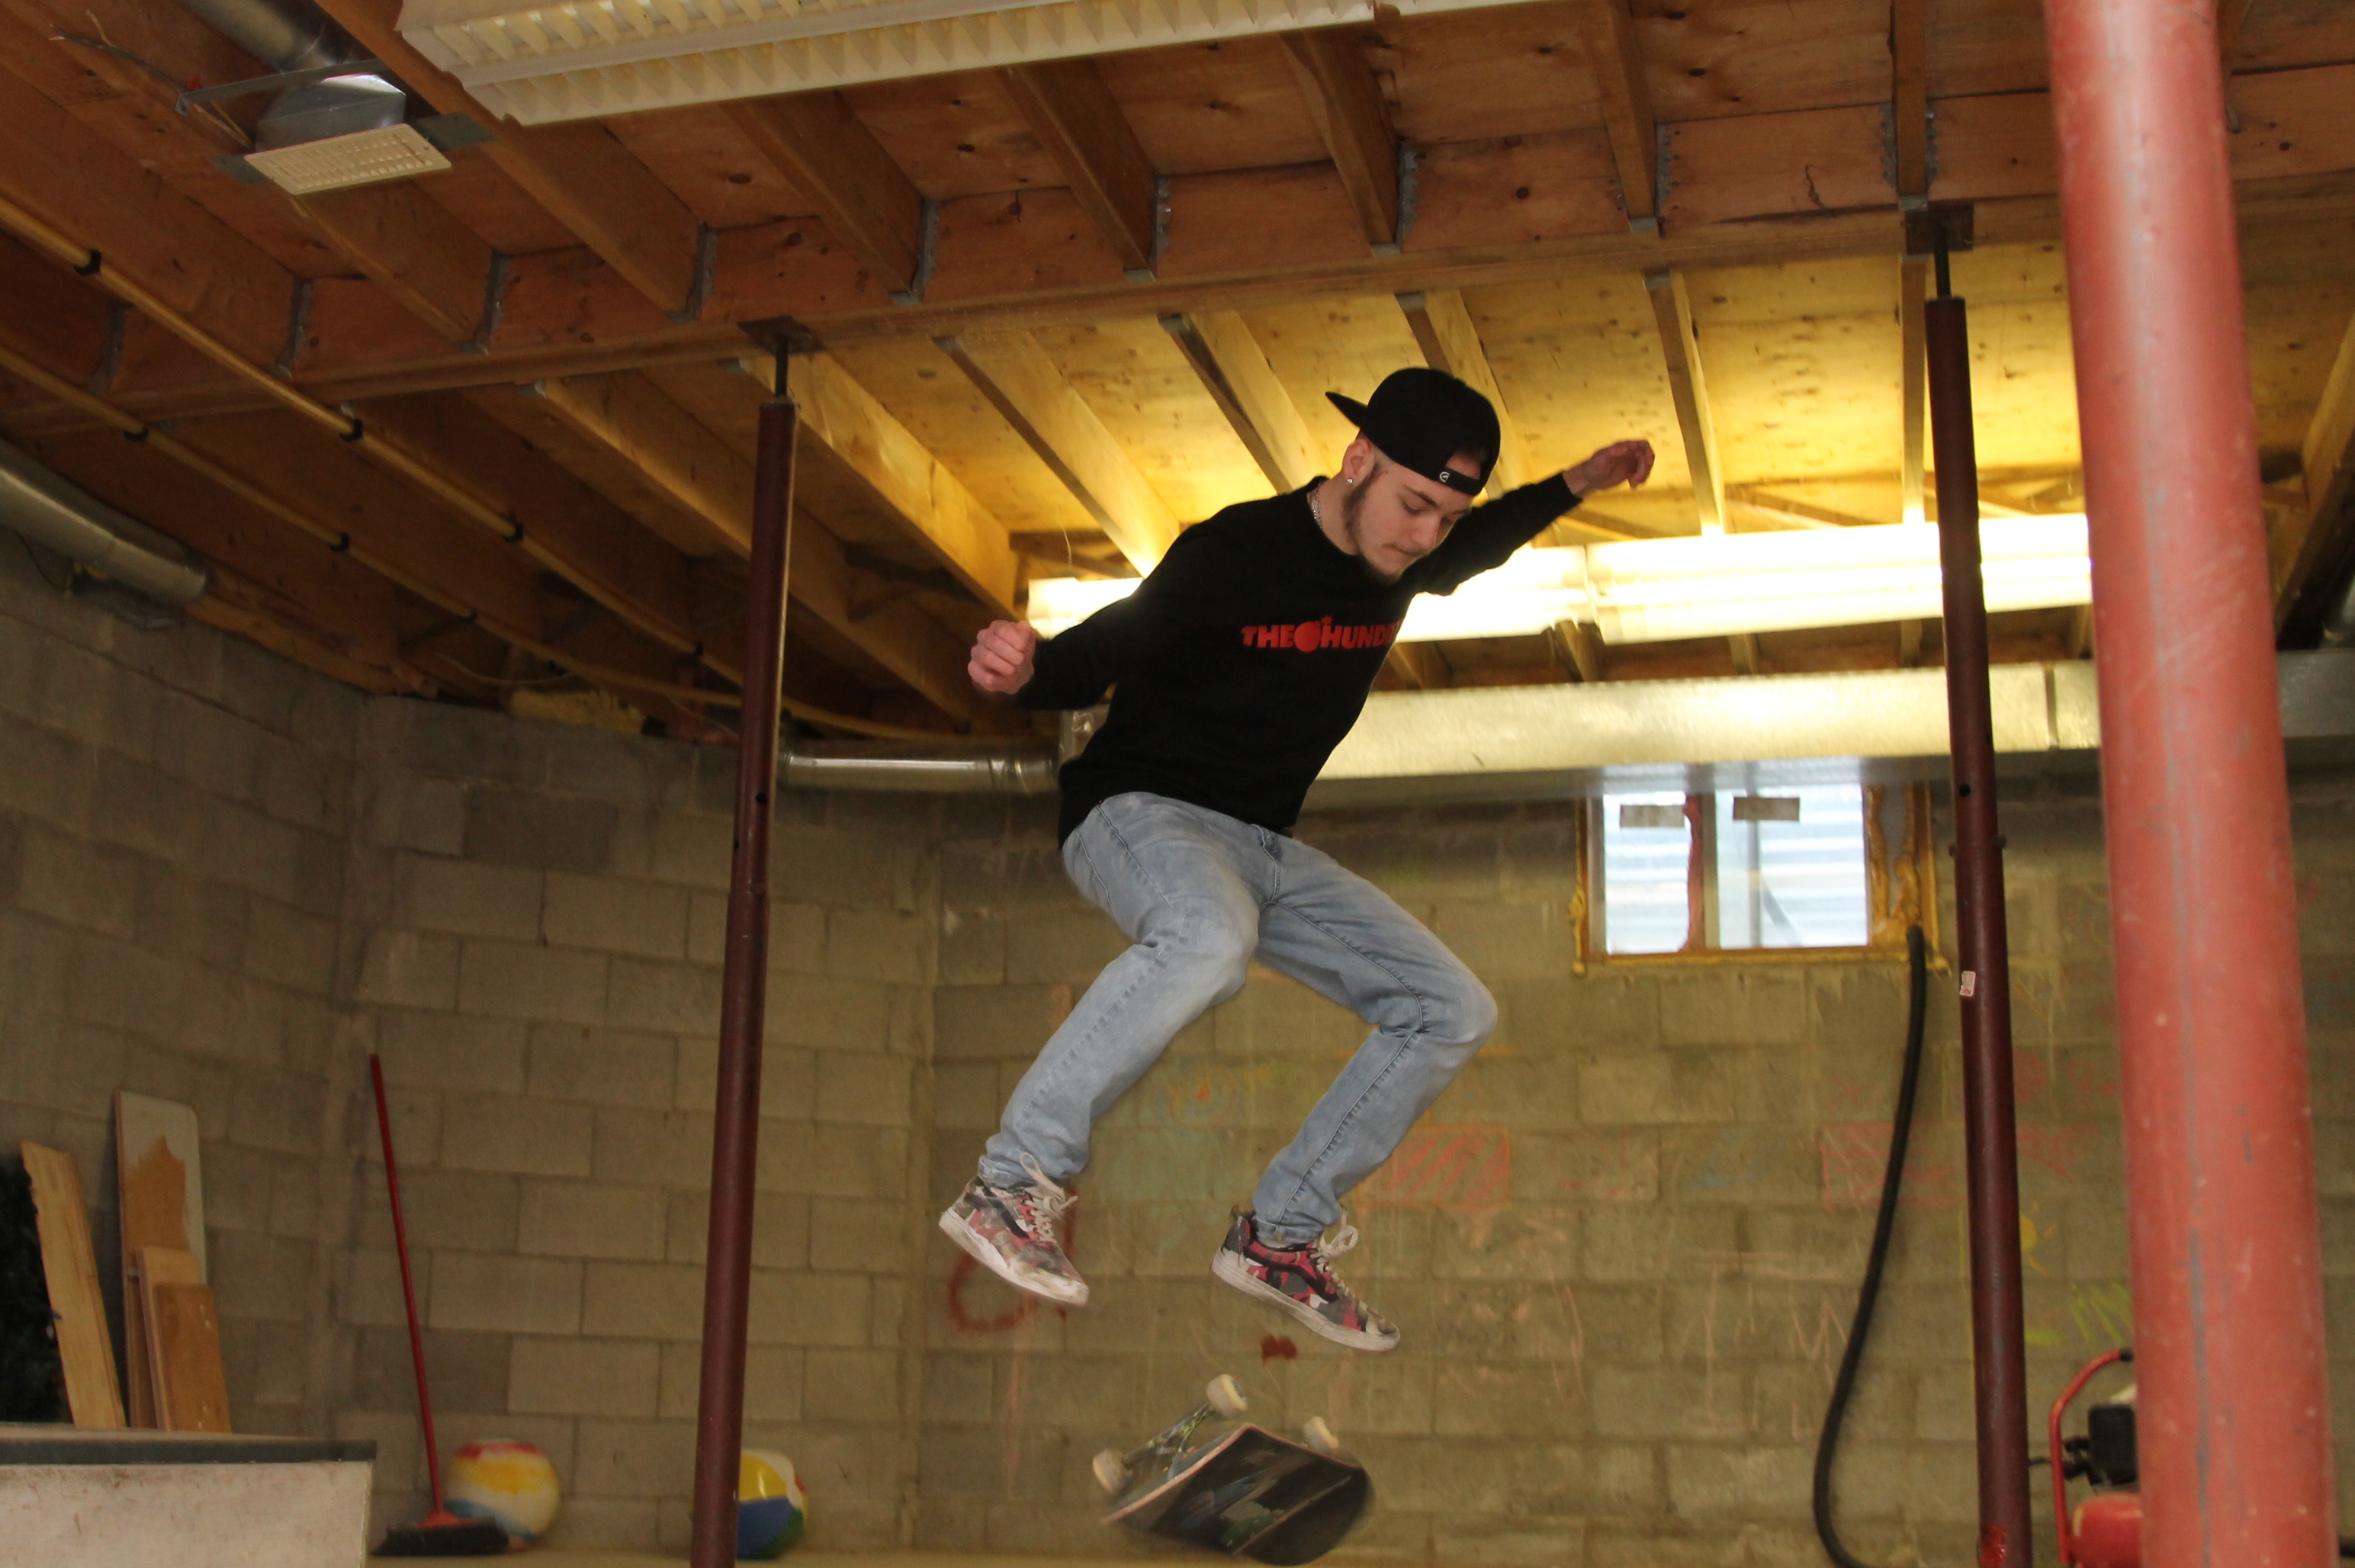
837 866
281 1111
957 1387
657 1148
614 1067
1063 947
772 1383
634 1458
852 1236
643 1301
218 753
448 1052
863 1088
1502 941
71 879
646 920
606 1525
972 950
445 1209
533 827
49 777
1742 1164
509 1295
831 1014
404 968
568 1220
501 979
839 1383
285 945
626 768
1470 1399
522 1136
575 1376
791 1308
1641 1241
879 944
780 1228
468 898
122 987
408 812
1653 1087
788 1078
674 999
435 737
826 1160
691 851
237 845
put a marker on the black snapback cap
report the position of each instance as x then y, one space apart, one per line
1419 418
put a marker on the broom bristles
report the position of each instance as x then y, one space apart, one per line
442 1534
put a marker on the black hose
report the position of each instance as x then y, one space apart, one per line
1868 1295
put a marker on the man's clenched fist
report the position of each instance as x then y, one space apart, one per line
1001 657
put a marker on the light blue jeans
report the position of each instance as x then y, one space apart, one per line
1200 894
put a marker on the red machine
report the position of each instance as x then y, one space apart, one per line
2106 1530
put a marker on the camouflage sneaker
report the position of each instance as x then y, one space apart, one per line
1301 1280
1010 1230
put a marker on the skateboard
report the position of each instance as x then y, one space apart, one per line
1242 1490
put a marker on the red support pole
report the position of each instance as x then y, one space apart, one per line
2222 1223
1982 943
736 1115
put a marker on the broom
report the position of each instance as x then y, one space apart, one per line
440 1533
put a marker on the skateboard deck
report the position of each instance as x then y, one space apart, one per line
1246 1491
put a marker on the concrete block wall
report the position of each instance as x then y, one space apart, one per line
174 808
544 911
1623 1247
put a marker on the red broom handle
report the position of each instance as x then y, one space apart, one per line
408 1290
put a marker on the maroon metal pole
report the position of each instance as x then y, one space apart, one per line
2223 1231
1999 1344
736 1115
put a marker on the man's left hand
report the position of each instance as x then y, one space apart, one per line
1621 463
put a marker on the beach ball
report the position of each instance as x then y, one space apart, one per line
770 1506
509 1482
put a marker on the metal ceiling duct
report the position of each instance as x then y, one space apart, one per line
285 35
48 510
905 768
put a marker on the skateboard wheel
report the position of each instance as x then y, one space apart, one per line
1112 1472
1318 1435
1226 1395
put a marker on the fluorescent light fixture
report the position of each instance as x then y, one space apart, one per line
1653 590
538 61
362 158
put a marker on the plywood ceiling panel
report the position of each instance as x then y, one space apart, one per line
1131 374
1231 105
1706 60
1985 45
2023 378
480 196
955 135
926 393
712 166
1339 345
1804 366
2296 32
2300 291
1522 71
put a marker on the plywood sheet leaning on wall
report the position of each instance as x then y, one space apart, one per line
93 1396
162 1188
184 1356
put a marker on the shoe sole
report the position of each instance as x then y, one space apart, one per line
1231 1267
1073 1293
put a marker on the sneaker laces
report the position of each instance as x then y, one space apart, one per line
1042 1203
1324 1248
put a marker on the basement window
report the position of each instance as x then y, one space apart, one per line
1811 869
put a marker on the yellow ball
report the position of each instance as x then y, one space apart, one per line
507 1482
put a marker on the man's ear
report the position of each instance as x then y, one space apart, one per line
1357 461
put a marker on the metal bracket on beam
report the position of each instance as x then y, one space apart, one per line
927 246
1931 225
707 262
298 325
495 304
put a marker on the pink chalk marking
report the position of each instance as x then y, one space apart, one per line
1446 1167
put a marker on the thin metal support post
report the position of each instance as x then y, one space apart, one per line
1999 1347
735 1114
2222 1229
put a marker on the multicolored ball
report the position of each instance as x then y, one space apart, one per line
770 1506
509 1482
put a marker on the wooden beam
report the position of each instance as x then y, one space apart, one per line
1744 648
1233 368
581 173
1022 384
409 246
898 635
2232 17
1418 666
1338 86
1797 514
817 140
1909 93
2314 550
660 455
1450 342
1584 645
1080 127
1680 349
1615 56
1914 391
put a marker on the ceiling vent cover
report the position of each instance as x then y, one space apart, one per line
582 58
360 157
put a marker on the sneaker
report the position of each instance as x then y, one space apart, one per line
1010 1230
1301 1280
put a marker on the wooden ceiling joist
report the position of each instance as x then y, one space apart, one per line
659 455
1234 371
1080 127
1616 55
579 173
817 141
1443 329
1024 386
1338 86
2315 547
1681 350
1909 64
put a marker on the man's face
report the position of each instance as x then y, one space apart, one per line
1393 517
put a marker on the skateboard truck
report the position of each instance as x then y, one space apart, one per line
1221 1396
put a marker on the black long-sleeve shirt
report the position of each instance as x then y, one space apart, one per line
1246 655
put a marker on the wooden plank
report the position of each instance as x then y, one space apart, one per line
1015 375
1450 342
585 178
1338 84
1909 93
1234 371
1614 54
1815 160
817 140
2312 550
159 1183
428 262
1079 125
1019 242
679 459
1681 350
184 1357
895 634
1515 190
70 1268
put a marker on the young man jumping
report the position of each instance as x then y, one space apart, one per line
1240 662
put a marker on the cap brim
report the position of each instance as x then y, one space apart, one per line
1351 409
